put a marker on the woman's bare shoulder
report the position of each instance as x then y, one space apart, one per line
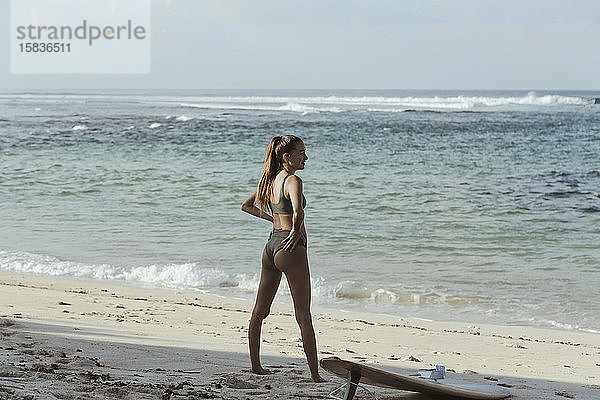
294 180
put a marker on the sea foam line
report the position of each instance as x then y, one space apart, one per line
289 106
191 276
378 103
315 104
187 275
530 99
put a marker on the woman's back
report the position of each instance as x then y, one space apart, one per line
281 206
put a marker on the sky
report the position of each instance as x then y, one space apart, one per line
353 44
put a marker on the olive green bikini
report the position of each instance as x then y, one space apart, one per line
283 206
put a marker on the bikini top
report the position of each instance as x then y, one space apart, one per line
284 205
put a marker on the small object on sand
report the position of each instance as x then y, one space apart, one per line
439 372
411 358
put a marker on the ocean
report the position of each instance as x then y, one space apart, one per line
447 205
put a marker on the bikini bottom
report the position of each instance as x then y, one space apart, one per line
274 243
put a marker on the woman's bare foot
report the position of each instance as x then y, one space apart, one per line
261 371
318 379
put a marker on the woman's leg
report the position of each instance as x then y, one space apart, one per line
269 283
295 267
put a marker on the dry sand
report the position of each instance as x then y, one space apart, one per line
68 339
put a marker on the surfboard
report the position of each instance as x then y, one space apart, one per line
356 373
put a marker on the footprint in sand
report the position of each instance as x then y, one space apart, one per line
469 372
45 368
235 383
507 385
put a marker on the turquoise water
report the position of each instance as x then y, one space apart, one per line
477 206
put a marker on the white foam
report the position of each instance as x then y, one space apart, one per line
379 103
353 290
297 107
317 102
561 325
287 107
154 125
79 128
181 276
247 282
188 275
183 118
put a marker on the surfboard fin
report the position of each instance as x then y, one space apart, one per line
349 387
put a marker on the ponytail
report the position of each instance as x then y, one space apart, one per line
278 146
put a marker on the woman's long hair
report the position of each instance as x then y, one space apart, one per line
278 146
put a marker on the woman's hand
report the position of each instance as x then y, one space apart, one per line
292 240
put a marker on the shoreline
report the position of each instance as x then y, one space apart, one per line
131 332
283 297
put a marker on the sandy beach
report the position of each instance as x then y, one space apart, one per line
70 339
441 162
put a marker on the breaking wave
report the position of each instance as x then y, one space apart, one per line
380 103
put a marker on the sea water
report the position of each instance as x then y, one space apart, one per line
466 206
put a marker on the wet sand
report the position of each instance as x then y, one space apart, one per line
72 339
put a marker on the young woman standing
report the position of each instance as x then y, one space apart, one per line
280 192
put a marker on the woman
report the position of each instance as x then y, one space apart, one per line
281 191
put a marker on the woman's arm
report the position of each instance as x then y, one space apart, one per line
249 207
304 236
294 186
